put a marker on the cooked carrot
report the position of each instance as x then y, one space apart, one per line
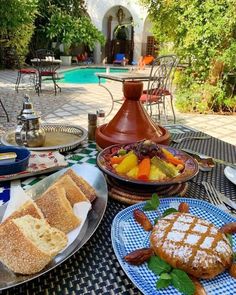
144 169
117 160
171 158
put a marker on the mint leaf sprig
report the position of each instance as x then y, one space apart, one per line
230 239
169 211
152 204
158 266
164 281
182 282
168 275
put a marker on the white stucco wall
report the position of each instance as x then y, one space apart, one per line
97 9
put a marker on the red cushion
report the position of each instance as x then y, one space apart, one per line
28 71
161 91
47 73
150 98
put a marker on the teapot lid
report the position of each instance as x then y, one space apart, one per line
28 112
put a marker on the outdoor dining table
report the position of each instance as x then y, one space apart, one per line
121 77
45 61
94 269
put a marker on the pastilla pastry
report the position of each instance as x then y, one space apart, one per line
191 244
28 244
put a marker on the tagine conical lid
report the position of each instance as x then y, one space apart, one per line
132 122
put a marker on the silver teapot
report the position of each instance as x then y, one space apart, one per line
28 130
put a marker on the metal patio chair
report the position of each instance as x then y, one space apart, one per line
160 85
47 67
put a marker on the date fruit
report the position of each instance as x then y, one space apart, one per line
142 219
139 256
229 228
183 207
199 289
232 270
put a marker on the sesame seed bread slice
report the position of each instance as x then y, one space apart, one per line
28 208
73 193
57 209
28 244
86 188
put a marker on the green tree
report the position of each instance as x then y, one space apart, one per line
204 34
64 21
16 25
69 29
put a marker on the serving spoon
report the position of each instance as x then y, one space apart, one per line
205 163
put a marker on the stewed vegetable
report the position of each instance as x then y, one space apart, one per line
146 161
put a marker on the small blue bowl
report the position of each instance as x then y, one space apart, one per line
21 163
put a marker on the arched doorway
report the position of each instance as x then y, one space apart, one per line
118 28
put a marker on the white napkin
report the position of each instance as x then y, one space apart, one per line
81 211
17 198
45 160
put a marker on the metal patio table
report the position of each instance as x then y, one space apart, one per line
94 269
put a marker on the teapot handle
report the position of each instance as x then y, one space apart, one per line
20 135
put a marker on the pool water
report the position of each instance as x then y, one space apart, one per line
86 75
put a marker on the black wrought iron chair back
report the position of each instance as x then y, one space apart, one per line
42 53
47 67
4 110
24 70
159 84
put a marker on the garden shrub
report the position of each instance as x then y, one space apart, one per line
204 34
16 28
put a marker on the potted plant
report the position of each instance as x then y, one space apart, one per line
61 30
65 55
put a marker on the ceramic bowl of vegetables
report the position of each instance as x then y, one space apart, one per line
147 163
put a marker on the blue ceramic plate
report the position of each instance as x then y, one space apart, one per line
127 236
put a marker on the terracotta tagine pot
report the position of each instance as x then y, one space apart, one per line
132 122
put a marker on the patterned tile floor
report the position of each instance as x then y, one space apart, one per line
76 100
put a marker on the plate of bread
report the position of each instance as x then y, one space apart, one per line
173 251
45 225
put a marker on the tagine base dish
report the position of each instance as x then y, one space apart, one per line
189 171
58 137
129 194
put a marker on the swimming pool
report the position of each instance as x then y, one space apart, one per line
86 75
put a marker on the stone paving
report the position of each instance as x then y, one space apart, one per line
75 101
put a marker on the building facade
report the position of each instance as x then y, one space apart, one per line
126 27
